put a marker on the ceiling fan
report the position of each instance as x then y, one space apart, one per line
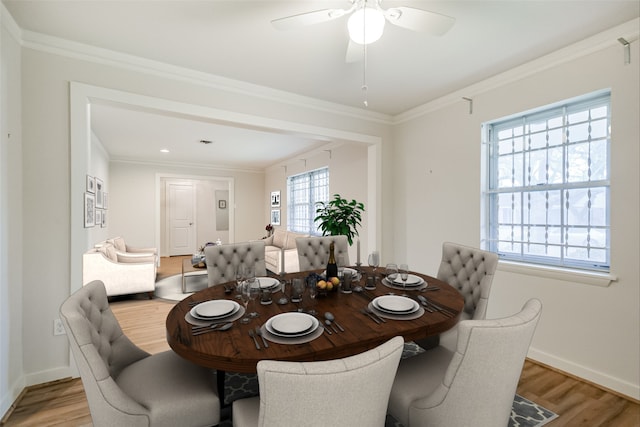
367 20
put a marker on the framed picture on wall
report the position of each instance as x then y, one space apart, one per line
275 199
89 210
222 204
99 193
98 217
104 219
91 184
275 216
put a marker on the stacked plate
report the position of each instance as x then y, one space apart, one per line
412 282
268 283
211 311
292 325
396 307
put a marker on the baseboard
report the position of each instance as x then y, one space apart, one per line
603 381
9 401
49 376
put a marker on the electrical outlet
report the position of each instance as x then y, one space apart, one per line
58 328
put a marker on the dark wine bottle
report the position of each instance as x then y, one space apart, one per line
332 267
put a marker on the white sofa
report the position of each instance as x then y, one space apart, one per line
274 245
121 274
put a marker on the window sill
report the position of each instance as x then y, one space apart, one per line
586 277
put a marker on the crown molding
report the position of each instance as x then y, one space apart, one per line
606 39
186 165
80 51
10 24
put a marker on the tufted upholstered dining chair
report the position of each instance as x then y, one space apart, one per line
126 386
223 260
470 271
313 252
471 386
353 391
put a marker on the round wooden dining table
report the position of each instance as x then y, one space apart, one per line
234 350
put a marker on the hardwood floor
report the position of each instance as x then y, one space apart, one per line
63 403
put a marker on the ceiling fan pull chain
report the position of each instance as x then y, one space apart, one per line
365 88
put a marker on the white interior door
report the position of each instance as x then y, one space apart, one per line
181 217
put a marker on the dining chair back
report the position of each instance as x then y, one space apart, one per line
313 252
470 271
223 260
124 384
353 391
471 386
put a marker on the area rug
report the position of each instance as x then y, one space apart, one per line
524 413
170 288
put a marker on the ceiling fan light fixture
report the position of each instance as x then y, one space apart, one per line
366 25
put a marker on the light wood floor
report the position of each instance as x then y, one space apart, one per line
63 402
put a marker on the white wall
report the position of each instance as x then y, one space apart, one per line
590 331
11 246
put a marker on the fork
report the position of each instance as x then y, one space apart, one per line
259 333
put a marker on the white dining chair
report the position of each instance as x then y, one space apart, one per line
223 260
470 271
125 385
471 386
353 391
313 252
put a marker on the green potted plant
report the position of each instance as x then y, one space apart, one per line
339 217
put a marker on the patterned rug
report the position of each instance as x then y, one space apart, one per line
524 413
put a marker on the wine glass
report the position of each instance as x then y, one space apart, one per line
244 294
254 292
392 272
404 275
239 282
313 293
374 260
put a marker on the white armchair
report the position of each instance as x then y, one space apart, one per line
122 248
120 273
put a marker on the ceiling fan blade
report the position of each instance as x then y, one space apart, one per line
420 20
307 18
355 52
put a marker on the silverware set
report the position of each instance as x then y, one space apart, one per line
432 306
218 326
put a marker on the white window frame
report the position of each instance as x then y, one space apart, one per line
315 185
491 190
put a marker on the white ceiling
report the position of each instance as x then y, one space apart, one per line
234 39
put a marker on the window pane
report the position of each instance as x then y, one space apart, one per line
548 191
304 191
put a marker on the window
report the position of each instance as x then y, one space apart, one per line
546 190
304 191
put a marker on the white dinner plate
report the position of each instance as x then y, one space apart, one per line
292 324
395 304
267 282
214 309
412 280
